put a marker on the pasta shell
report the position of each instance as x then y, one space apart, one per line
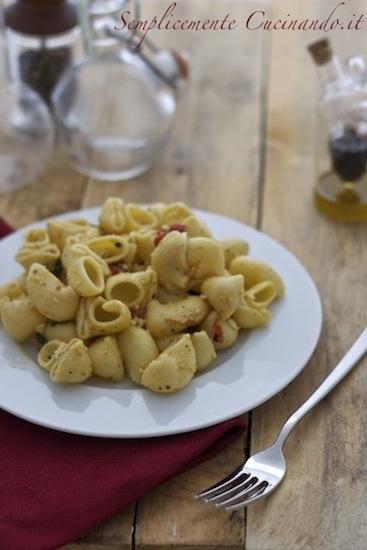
139 218
36 238
60 230
106 359
53 299
205 258
112 218
86 276
195 227
98 317
71 363
173 318
12 290
46 255
173 369
79 250
137 349
233 248
176 212
261 295
111 248
19 317
63 332
222 333
132 288
169 262
255 271
46 355
247 317
167 341
204 349
224 294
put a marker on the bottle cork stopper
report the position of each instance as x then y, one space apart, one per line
321 51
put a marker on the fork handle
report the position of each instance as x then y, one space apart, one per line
352 357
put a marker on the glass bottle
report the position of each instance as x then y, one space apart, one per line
341 188
26 128
43 39
122 112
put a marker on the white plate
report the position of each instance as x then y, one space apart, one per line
256 368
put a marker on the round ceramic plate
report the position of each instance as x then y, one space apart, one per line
261 363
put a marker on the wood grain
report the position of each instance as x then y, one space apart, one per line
213 162
322 502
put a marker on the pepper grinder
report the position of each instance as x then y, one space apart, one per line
42 37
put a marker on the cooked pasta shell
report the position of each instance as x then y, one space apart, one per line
60 230
106 359
169 262
173 369
98 317
204 349
64 332
224 294
19 317
261 295
144 239
195 227
137 349
165 297
139 218
80 250
222 333
247 317
53 299
167 319
205 258
233 248
71 363
167 341
132 288
46 255
46 355
176 212
255 271
111 248
86 276
112 218
35 238
12 290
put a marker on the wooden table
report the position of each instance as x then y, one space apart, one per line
244 146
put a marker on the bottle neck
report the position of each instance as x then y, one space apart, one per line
331 71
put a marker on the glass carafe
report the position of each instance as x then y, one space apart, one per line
114 113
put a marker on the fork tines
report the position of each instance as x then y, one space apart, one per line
235 491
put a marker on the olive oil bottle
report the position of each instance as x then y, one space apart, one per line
341 188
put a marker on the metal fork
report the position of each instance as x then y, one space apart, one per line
263 472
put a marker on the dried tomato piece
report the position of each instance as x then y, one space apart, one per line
217 331
180 227
118 267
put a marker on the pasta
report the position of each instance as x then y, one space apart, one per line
47 293
255 271
148 294
138 350
224 294
173 369
106 359
19 317
173 318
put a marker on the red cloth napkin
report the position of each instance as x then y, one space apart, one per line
54 487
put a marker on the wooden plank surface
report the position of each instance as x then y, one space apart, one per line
214 162
321 505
